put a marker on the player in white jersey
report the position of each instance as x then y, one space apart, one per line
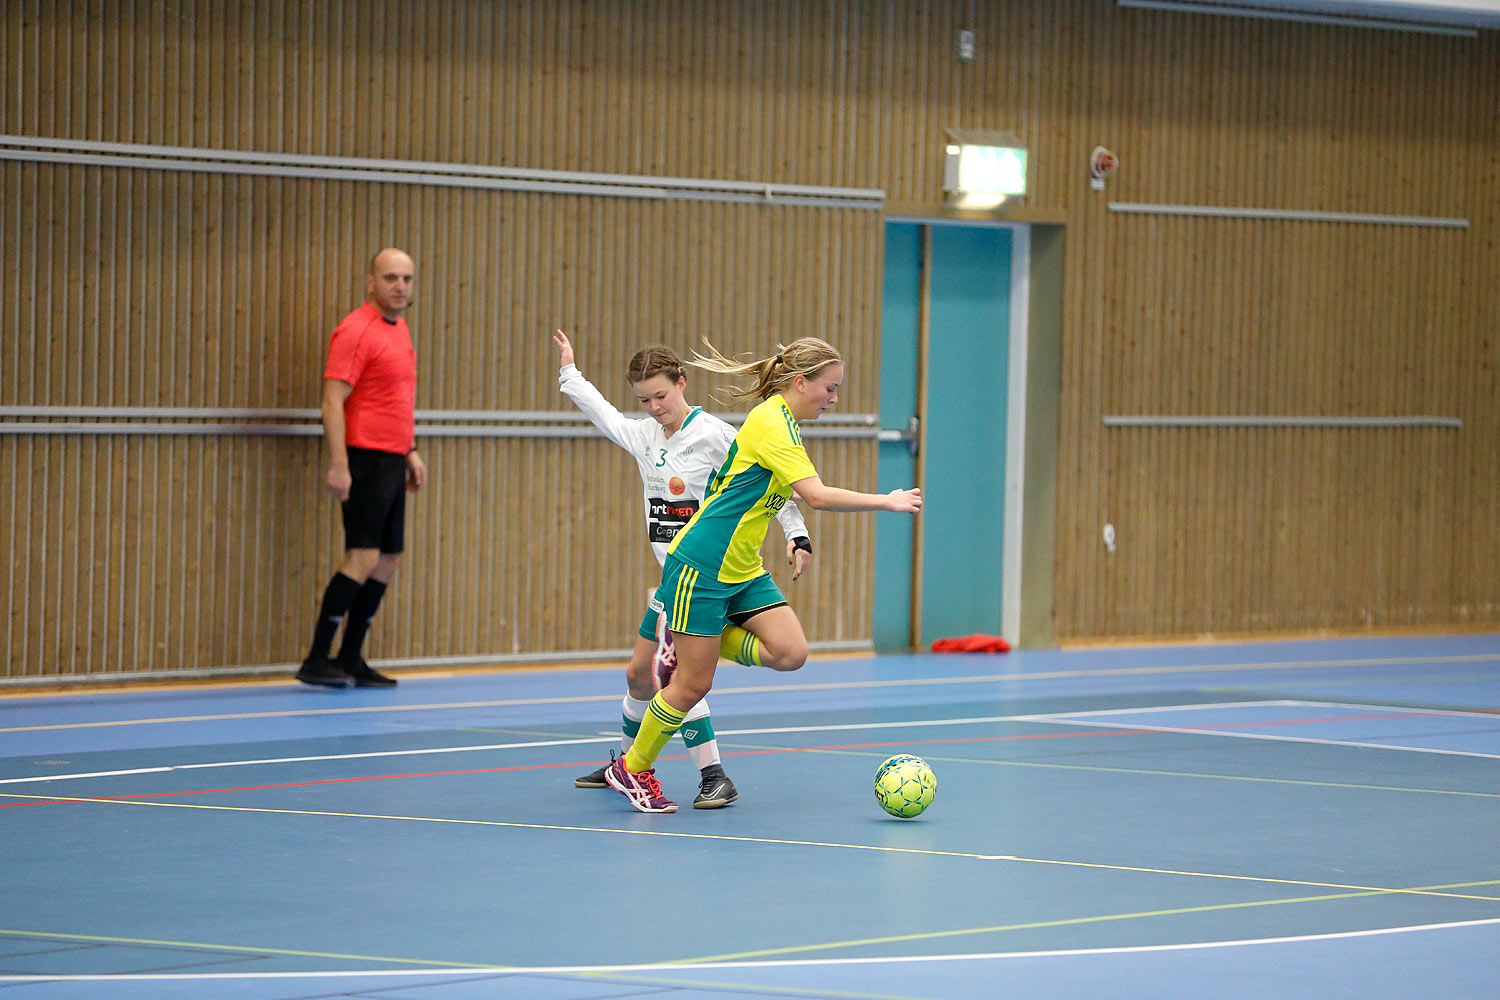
677 448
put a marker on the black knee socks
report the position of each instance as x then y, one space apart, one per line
338 597
360 616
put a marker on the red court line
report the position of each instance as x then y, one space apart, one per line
544 767
1331 718
739 753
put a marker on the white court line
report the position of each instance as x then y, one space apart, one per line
1087 719
500 746
303 760
1208 706
873 725
1010 678
1362 706
1269 737
474 972
1071 718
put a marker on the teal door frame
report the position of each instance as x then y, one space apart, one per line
897 540
899 585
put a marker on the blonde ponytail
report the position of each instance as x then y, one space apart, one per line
805 356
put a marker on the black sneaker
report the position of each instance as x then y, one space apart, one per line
366 676
716 790
595 779
323 672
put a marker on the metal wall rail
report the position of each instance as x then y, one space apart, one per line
209 421
423 430
1419 18
1115 420
82 152
311 413
517 660
1287 215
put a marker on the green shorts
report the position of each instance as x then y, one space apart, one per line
699 605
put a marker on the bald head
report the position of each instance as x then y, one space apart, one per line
390 256
389 282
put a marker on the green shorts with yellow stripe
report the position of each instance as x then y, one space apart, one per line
696 603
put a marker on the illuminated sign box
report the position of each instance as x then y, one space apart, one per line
983 169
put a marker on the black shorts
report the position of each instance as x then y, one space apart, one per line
375 513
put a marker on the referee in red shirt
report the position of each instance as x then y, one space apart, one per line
369 418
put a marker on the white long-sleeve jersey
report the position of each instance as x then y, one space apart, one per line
675 472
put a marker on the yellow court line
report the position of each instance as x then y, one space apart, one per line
50 935
1359 889
310 712
1427 891
1066 922
508 731
498 823
1210 776
999 928
1209 668
754 989
930 758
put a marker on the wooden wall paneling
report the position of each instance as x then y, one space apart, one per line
842 543
55 558
39 113
273 507
212 513
12 627
153 213
50 300
1364 300
10 56
1066 91
1478 387
59 559
219 510
424 607
491 539
238 556
79 521
188 577
191 500
27 570
22 299
129 557
147 552
22 219
203 359
274 288
512 507
98 569
140 287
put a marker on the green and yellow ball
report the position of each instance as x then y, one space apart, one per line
905 785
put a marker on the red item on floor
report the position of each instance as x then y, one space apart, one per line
976 643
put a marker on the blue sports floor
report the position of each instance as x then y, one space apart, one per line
1312 819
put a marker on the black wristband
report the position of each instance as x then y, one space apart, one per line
804 543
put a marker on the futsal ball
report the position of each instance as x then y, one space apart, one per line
905 785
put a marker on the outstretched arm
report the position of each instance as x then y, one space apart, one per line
615 425
821 496
565 347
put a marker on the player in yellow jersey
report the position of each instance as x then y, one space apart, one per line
678 448
713 573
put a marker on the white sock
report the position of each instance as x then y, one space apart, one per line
703 751
631 712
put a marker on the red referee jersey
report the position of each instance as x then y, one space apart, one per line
377 358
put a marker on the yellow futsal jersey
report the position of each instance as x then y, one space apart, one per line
750 488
